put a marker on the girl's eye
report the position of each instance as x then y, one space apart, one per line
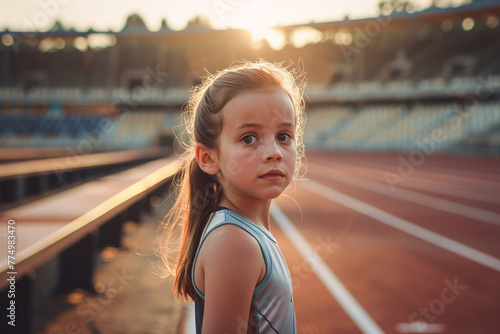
284 137
250 139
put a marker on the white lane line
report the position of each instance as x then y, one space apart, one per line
332 283
420 327
413 197
403 225
452 190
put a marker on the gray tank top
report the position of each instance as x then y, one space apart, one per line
272 309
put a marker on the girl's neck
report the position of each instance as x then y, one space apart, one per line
255 211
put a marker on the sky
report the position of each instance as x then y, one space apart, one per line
39 15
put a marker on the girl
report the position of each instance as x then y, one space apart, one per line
245 126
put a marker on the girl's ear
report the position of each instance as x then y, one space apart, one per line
206 159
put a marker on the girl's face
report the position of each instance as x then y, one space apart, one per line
256 147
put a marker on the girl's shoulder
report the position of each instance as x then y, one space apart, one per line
228 248
230 238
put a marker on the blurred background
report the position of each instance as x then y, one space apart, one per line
382 74
92 89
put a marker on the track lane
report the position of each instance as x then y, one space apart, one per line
477 234
488 199
465 229
393 275
472 167
381 266
443 203
315 309
406 169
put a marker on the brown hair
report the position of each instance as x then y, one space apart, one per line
198 193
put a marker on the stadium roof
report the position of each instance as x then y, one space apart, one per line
433 13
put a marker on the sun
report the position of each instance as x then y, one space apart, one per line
274 37
261 23
264 31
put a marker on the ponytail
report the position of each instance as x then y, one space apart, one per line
203 198
198 195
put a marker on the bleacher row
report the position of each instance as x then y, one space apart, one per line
405 89
340 90
141 129
403 128
55 126
383 127
137 94
126 131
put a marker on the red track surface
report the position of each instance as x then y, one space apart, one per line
396 277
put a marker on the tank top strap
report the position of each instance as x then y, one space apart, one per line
228 217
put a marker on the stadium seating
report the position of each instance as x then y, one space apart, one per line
128 130
379 89
385 126
399 128
46 126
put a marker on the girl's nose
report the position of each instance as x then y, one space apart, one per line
273 152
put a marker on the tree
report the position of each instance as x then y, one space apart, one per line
199 22
57 26
164 25
134 21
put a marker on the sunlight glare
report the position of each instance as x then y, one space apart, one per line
306 35
101 41
275 38
260 23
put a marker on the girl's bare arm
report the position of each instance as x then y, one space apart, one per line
232 266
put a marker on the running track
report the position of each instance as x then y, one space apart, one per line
419 253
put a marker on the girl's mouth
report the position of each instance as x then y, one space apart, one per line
274 174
